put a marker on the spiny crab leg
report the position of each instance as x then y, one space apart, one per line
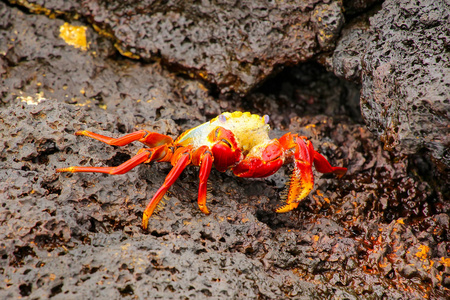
150 139
143 156
183 159
206 160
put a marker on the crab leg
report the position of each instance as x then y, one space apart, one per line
150 139
206 161
323 166
183 160
143 156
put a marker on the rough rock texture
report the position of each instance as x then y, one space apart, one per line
402 59
382 231
232 44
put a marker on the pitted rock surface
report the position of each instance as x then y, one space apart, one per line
234 45
400 55
381 231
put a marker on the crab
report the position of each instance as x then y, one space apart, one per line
237 141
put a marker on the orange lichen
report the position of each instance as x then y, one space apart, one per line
423 252
445 261
74 35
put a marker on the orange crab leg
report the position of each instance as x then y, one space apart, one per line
323 166
150 139
206 161
182 161
143 156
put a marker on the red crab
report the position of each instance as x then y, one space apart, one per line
237 141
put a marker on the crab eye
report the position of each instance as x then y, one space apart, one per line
266 119
222 118
218 132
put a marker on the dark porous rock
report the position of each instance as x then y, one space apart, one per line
232 44
401 58
346 59
379 232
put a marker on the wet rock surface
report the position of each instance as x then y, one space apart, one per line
232 44
382 231
401 56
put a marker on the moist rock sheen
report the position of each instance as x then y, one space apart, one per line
402 59
232 44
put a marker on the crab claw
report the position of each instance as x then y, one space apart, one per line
262 161
302 179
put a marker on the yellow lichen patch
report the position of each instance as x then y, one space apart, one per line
202 87
126 53
38 9
321 194
102 32
32 100
383 263
423 252
203 75
74 35
445 261
84 104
